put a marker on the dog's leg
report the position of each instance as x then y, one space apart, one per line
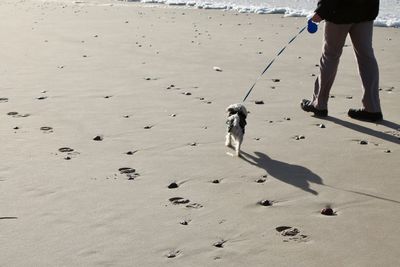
228 140
237 147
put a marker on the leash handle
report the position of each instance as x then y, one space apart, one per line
272 61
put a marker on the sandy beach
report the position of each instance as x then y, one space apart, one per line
112 142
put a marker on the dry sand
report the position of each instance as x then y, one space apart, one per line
142 79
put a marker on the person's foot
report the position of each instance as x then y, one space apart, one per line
307 106
362 115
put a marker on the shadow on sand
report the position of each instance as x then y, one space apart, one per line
295 175
362 129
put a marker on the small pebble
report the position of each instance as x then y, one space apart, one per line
216 181
327 212
322 126
172 254
187 93
299 137
387 151
363 142
259 102
217 69
219 244
276 80
98 138
265 203
173 185
262 179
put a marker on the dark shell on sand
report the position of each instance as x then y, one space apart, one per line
98 138
219 244
173 185
327 212
265 203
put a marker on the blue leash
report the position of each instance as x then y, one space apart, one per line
311 28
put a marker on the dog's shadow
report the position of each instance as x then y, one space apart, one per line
295 175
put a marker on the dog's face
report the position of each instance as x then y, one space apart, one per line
237 109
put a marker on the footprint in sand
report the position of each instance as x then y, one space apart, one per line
70 153
291 234
130 173
46 129
194 206
179 200
15 114
65 149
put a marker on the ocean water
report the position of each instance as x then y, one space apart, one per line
389 13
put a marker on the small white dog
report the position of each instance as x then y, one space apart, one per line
236 122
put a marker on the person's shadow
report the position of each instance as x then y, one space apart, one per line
295 175
362 129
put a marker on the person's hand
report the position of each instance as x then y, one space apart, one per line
316 18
